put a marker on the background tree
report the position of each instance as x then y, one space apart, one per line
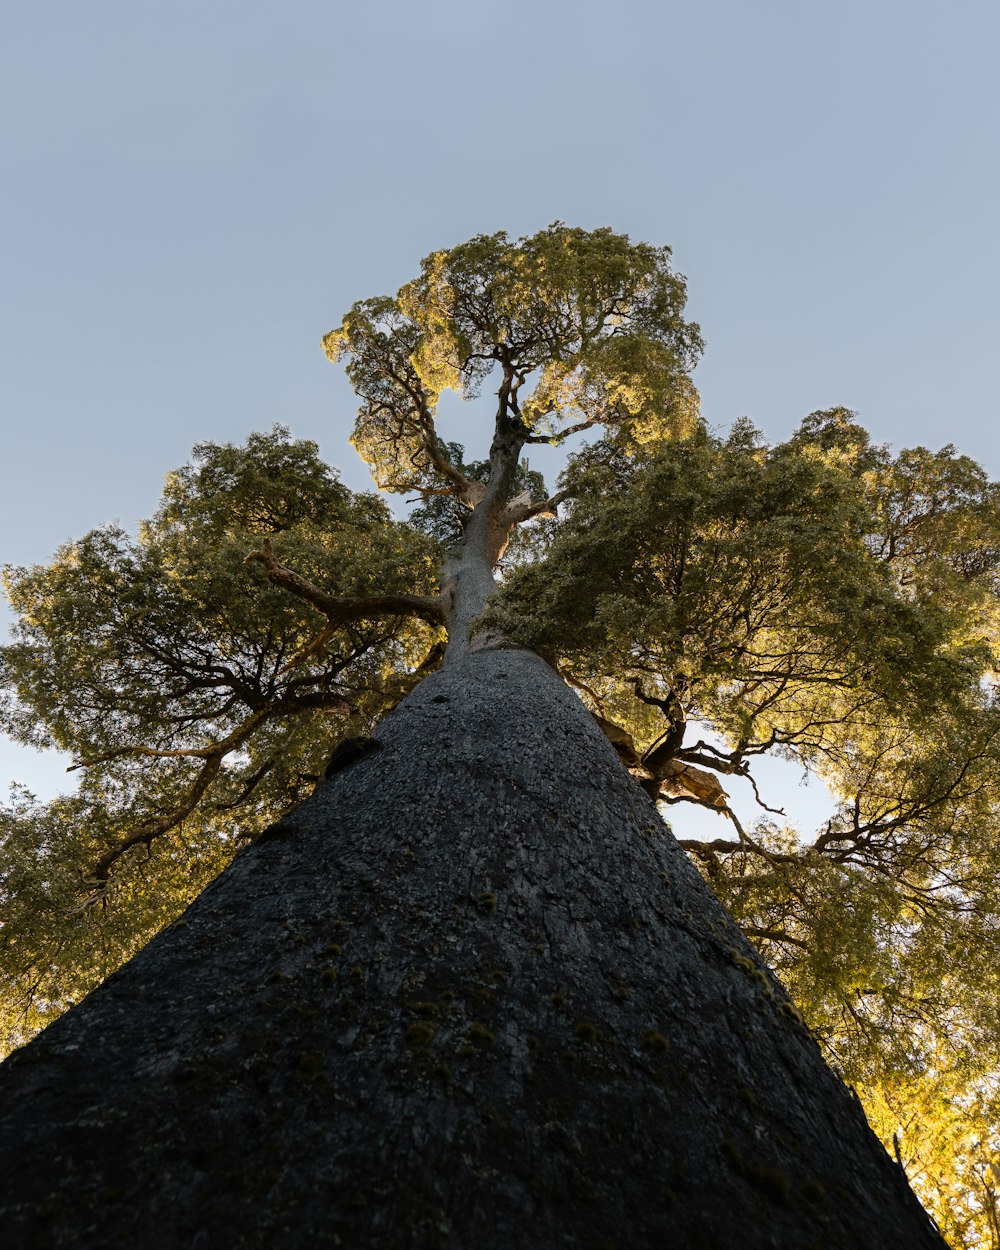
711 599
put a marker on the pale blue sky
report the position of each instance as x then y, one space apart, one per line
196 191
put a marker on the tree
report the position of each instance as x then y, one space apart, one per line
472 987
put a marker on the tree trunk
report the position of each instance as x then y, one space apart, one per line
471 994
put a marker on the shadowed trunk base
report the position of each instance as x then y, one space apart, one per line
470 995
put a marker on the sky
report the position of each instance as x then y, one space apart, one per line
196 192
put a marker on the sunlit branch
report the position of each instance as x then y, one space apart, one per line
221 748
553 440
717 846
521 510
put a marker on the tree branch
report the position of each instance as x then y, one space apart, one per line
774 935
341 610
733 766
526 509
249 785
155 828
467 490
553 440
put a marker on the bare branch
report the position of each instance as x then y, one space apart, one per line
775 811
733 766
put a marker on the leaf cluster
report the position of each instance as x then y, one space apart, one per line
754 583
199 701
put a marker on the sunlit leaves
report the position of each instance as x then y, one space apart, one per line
750 578
584 326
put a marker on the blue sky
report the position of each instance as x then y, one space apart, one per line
197 191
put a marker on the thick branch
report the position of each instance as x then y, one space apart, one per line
341 610
774 935
152 752
724 846
555 439
745 843
221 748
673 779
524 508
703 849
469 572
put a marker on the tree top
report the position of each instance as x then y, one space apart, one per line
583 328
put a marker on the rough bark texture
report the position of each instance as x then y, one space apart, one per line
471 994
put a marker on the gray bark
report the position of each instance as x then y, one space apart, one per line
470 583
471 994
469 572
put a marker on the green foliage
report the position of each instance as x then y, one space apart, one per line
595 319
750 579
759 586
201 700
52 950
901 988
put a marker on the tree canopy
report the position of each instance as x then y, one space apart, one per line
713 599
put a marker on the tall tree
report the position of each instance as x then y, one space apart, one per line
472 987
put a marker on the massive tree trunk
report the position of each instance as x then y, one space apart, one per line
471 994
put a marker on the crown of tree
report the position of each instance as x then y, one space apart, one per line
712 598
